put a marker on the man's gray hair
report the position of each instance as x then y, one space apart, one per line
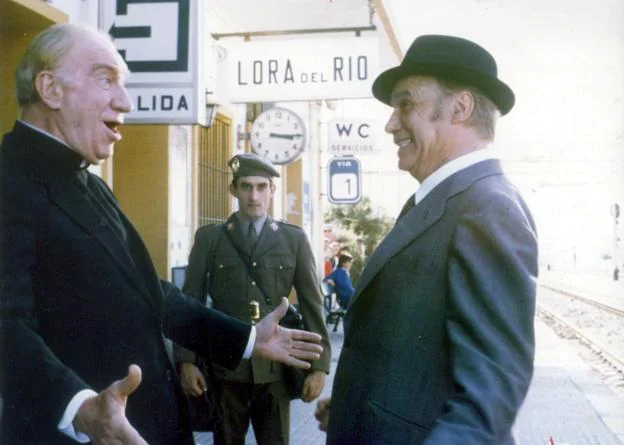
485 113
46 52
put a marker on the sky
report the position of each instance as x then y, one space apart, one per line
563 143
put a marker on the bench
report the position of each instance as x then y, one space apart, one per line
333 311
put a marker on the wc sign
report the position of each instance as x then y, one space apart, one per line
351 136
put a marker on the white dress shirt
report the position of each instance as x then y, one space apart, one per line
451 167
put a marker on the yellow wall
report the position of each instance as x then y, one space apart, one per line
20 21
141 183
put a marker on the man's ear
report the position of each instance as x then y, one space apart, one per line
273 188
463 106
49 88
232 189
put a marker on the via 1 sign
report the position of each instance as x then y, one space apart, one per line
345 180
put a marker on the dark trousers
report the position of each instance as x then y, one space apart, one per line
266 406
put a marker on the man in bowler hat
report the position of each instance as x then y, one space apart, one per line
439 340
249 264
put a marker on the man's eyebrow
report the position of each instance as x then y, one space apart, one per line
103 66
257 184
118 71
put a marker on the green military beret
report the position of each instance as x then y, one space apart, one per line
250 164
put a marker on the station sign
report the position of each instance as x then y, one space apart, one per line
300 70
154 38
351 136
345 180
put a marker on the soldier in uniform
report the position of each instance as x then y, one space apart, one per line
248 264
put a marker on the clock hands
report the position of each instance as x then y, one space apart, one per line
285 136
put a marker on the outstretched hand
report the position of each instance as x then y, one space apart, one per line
289 346
103 417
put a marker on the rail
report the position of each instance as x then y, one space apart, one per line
587 300
608 353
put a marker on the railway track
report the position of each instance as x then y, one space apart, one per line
596 324
588 300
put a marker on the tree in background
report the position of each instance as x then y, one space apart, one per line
365 231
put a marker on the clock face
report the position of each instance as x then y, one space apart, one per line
279 135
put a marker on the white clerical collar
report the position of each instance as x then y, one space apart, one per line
450 168
83 164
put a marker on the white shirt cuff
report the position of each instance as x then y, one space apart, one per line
66 425
250 343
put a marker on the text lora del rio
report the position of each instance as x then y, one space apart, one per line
273 71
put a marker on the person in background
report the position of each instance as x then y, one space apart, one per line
328 265
340 280
342 251
253 261
439 341
83 314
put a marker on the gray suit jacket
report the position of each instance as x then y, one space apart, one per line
439 338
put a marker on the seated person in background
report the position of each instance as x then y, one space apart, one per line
341 280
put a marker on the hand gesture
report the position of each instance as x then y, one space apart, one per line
313 385
289 346
322 413
103 417
192 380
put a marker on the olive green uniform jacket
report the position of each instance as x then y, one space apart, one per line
281 260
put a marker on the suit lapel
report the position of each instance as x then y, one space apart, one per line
49 164
80 209
409 227
418 219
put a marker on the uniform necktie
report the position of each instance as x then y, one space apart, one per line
252 235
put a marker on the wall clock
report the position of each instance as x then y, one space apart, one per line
279 135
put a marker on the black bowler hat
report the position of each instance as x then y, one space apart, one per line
448 58
250 164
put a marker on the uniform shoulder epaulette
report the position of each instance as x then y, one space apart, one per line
208 227
288 224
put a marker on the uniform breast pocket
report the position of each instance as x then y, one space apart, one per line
281 272
228 276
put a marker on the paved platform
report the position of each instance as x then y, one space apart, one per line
567 402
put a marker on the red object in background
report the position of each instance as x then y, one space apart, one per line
329 267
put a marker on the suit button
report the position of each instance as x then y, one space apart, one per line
253 283
254 264
281 267
168 375
220 266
